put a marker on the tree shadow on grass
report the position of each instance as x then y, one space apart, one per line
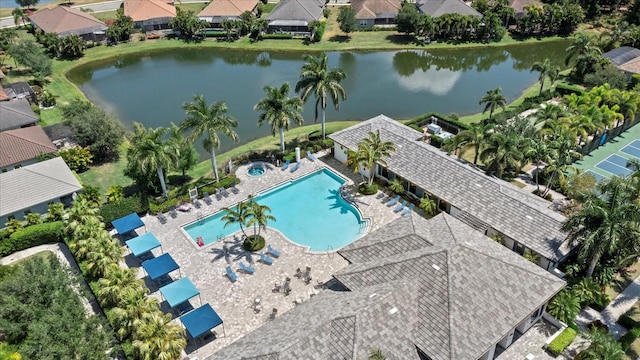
400 39
340 38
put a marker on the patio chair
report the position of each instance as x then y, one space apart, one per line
218 194
420 211
298 273
232 276
400 206
295 167
408 210
224 191
245 268
393 201
273 252
206 198
234 189
162 218
286 165
172 211
273 314
264 259
310 156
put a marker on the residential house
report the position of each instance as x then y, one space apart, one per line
522 221
22 147
3 94
21 90
149 14
294 16
63 20
32 188
375 12
519 5
16 114
436 8
625 58
418 289
219 10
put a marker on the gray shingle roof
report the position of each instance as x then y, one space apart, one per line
441 288
506 208
437 8
36 184
471 290
15 114
302 10
622 55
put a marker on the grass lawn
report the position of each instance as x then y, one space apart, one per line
195 7
106 175
105 15
634 350
622 280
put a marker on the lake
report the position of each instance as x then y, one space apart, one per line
150 88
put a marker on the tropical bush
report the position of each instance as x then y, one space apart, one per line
565 306
367 189
77 158
114 210
564 339
31 236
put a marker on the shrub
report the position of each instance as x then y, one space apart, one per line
367 189
115 210
78 158
31 236
436 141
251 244
564 89
629 337
628 322
557 345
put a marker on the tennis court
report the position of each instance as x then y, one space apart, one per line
612 159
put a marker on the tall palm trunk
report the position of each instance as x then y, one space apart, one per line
214 164
323 121
592 265
475 157
162 183
282 139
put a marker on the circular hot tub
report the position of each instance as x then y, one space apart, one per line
256 170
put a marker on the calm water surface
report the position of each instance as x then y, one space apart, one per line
151 88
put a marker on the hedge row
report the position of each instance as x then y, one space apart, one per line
557 345
425 119
163 206
115 210
30 236
628 322
565 89
627 339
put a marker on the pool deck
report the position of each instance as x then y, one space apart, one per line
206 266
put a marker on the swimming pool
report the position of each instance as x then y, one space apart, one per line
309 211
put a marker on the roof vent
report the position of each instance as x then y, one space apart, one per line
393 310
373 295
529 217
435 267
478 185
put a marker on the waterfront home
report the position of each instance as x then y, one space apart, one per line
22 147
523 222
414 289
219 10
625 58
294 16
375 12
435 8
16 114
32 188
149 15
64 20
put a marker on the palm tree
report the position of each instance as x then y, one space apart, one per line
111 287
376 354
545 68
55 212
539 152
150 150
82 239
323 83
428 205
33 219
565 306
396 186
565 154
209 121
472 138
581 46
605 223
156 338
237 215
501 152
371 151
279 110
603 346
133 304
19 15
80 213
259 217
493 100
104 255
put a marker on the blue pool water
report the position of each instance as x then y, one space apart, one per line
309 211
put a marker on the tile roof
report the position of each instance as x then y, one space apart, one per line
142 10
23 144
632 66
64 20
15 114
300 10
36 184
3 94
372 9
439 288
517 214
518 5
232 8
436 8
